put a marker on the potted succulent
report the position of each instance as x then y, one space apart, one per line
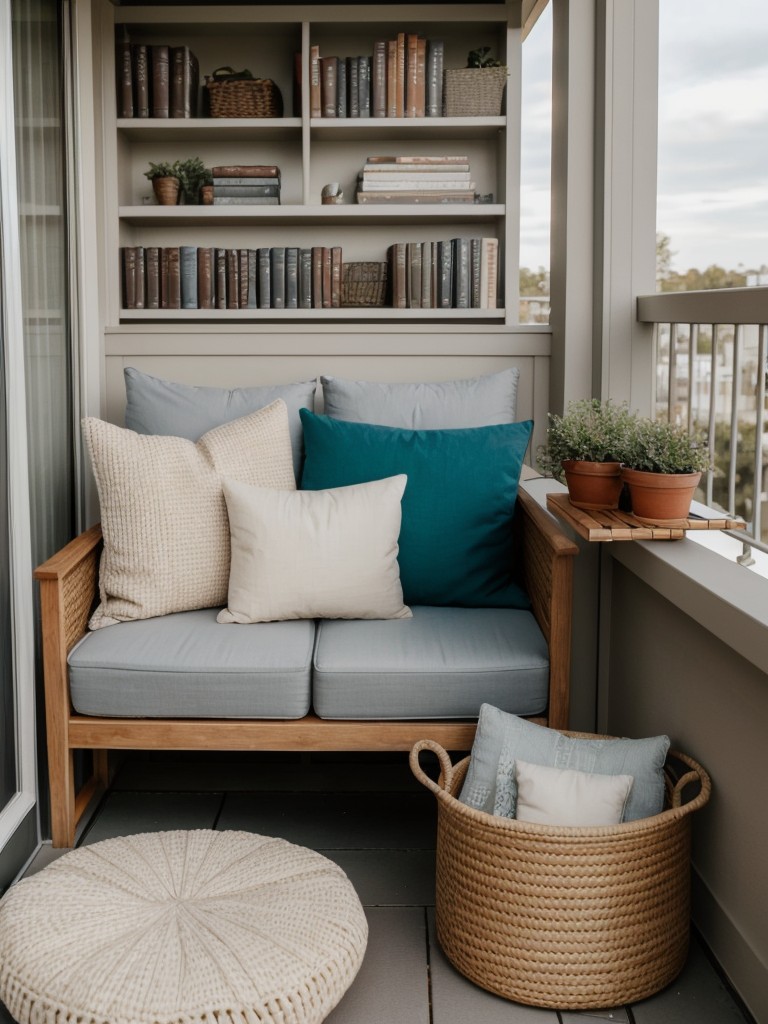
587 446
165 182
477 89
193 174
663 466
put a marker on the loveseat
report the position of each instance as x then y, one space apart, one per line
211 678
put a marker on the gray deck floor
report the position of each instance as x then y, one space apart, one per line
372 818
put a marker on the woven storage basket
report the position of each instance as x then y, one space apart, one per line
244 97
364 284
473 92
563 917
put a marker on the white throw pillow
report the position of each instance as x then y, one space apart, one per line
315 554
565 796
163 516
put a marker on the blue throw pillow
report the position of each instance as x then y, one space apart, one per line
456 537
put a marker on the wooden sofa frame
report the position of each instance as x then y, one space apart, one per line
69 589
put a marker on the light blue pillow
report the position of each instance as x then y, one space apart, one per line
502 738
156 406
456 537
473 402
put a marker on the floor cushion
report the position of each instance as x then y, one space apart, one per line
165 927
189 666
442 663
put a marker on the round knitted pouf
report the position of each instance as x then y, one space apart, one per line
180 928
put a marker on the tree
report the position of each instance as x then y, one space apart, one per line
664 256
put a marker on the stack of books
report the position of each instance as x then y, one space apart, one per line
211 277
246 185
416 179
156 80
458 273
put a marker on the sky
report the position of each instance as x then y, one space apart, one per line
713 135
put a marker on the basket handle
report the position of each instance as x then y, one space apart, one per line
446 768
695 774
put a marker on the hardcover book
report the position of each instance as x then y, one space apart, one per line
172 298
277 257
341 88
141 80
152 267
317 277
434 78
329 84
233 279
265 278
205 278
326 275
160 80
364 86
315 88
242 255
252 296
379 79
124 69
489 270
129 277
220 180
413 263
411 75
353 85
246 171
423 197
188 271
400 76
245 191
221 278
185 80
246 200
461 273
336 263
391 78
444 275
291 277
305 278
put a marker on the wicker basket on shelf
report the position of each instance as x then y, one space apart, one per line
473 92
230 95
563 917
364 284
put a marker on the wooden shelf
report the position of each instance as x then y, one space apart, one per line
206 129
615 525
165 216
367 313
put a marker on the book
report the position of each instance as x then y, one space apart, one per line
413 270
297 84
152 272
317 277
411 75
160 59
396 255
489 270
475 258
391 78
220 290
421 76
277 259
252 293
129 276
400 76
305 279
444 275
220 180
415 172
184 82
379 79
141 80
205 278
353 86
424 182
245 200
434 78
315 92
291 277
336 265
245 191
172 297
124 69
418 160
233 279
326 277
461 273
246 171
265 278
426 198
188 276
341 88
426 275
242 259
364 86
328 84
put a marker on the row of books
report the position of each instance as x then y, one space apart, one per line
458 273
208 277
403 78
246 184
415 179
156 80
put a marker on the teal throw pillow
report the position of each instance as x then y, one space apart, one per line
456 535
502 739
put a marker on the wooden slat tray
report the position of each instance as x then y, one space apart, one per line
616 525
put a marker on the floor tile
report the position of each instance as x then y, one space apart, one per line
400 878
45 855
392 986
621 1015
347 821
697 996
128 813
456 1000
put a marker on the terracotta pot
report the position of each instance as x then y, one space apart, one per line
206 195
166 190
595 485
660 497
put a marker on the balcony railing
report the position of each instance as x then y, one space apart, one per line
710 351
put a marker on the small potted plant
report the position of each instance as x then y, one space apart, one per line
192 174
477 89
663 466
206 188
587 446
165 182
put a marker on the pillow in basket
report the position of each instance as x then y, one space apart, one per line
502 739
163 516
564 796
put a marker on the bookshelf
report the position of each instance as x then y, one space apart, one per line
310 152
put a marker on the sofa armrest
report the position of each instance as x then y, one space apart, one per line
546 565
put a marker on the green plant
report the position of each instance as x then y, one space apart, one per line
192 173
589 431
480 59
164 169
657 446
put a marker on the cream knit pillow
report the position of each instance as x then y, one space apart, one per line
166 533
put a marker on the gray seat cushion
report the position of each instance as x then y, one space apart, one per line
189 666
442 663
